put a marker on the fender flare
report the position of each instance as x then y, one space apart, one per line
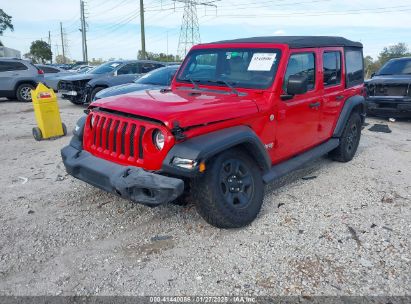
351 104
203 147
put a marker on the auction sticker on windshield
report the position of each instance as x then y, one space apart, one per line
262 62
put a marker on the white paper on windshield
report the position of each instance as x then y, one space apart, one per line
114 65
262 62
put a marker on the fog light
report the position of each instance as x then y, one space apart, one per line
184 163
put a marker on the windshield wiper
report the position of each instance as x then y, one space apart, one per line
226 84
194 83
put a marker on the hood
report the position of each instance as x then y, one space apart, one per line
181 106
78 77
390 79
125 88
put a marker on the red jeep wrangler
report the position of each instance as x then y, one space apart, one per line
238 115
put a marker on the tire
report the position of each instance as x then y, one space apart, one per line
230 192
94 92
76 101
349 140
64 129
37 134
23 92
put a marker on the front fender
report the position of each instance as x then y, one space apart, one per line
204 147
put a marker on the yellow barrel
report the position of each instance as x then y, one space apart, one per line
47 114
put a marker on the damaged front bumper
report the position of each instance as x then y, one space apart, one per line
389 105
132 183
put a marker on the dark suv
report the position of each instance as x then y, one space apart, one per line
17 78
389 90
81 88
238 115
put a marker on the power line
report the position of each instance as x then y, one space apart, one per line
190 30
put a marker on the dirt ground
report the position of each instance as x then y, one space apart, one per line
327 229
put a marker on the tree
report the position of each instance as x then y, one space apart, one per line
159 57
60 59
5 23
370 66
95 61
40 51
394 51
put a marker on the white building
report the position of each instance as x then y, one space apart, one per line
8 52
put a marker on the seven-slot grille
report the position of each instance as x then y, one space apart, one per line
117 136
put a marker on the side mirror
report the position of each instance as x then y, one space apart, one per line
115 73
372 75
296 85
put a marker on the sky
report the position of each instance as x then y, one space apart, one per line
114 25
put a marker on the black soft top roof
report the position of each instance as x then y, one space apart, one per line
299 41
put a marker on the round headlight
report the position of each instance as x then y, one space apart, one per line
158 139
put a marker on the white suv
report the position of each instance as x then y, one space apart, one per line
17 78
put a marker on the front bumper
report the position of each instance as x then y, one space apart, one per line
128 182
389 105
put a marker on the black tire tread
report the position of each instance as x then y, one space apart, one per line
338 154
206 204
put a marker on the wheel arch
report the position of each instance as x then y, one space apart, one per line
204 147
20 82
353 104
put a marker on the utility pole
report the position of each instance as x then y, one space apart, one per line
143 37
83 31
190 30
51 61
167 44
62 41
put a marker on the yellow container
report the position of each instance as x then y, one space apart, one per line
47 114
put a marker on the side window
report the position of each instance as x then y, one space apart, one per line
131 68
354 67
147 67
332 68
3 66
302 64
12 66
48 70
18 66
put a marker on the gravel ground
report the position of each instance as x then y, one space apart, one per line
343 231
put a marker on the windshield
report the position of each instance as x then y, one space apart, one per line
241 68
396 67
161 76
105 68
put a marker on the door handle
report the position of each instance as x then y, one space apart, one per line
314 104
340 97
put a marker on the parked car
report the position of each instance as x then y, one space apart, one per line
389 89
157 79
81 69
52 75
82 88
17 78
239 114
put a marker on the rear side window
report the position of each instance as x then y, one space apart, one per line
332 68
6 66
301 64
131 68
48 70
354 67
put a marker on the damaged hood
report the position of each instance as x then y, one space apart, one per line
389 79
78 77
187 107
